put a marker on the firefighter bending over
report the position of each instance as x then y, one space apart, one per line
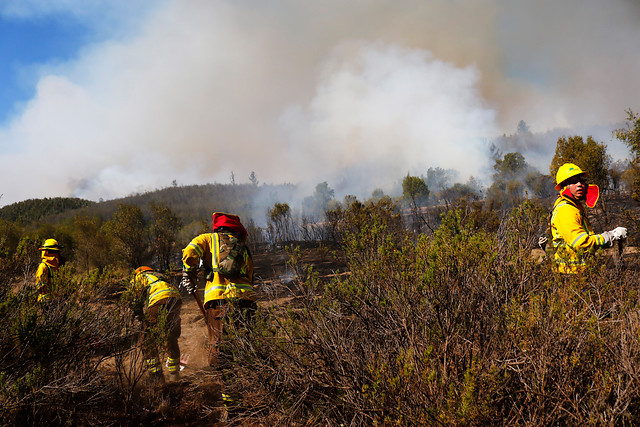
162 299
228 271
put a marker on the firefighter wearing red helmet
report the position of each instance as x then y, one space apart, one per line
229 292
572 233
223 288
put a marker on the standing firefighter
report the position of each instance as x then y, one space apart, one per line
228 269
163 302
571 231
48 269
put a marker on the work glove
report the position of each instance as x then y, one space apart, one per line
542 242
619 233
187 284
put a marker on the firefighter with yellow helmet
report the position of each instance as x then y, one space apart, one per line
46 274
571 231
160 299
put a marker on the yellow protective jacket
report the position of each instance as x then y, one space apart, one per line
572 235
206 247
158 289
46 276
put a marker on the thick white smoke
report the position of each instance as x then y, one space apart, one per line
383 111
357 94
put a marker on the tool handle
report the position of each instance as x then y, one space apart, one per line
201 306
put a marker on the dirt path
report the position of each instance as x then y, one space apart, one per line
195 397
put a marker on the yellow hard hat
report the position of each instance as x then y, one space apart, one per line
565 172
50 245
142 269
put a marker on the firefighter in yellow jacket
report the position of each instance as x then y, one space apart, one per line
571 231
228 270
161 299
47 271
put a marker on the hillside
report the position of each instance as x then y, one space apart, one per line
34 210
191 203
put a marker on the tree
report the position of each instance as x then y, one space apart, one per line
439 179
511 166
280 224
415 191
91 244
619 173
523 127
541 185
631 137
459 191
253 179
164 231
508 181
590 155
317 203
127 229
9 237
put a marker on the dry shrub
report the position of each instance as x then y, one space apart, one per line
51 353
459 328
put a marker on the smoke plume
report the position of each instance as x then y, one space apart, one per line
357 94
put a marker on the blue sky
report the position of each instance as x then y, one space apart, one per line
38 35
27 43
104 98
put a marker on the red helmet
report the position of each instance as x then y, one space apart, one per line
232 222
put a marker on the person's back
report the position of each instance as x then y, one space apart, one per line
162 300
223 289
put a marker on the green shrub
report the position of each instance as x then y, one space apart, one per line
462 327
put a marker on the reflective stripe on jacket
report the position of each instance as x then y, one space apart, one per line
158 288
572 235
206 247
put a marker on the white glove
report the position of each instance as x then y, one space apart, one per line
618 233
607 236
542 242
187 284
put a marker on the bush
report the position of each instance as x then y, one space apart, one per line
460 328
51 354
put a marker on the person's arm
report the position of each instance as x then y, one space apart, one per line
191 255
568 222
42 278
